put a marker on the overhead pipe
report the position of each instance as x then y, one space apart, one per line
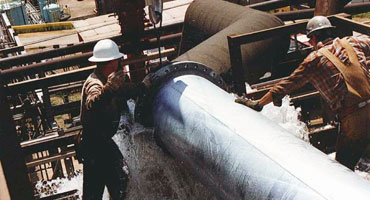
274 4
207 25
235 151
81 59
80 47
353 8
70 76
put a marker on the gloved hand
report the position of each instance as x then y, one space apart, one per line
115 81
250 103
147 80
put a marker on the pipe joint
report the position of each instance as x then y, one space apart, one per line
143 109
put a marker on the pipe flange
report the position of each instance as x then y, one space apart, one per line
143 109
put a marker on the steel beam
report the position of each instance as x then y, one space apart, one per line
11 50
11 156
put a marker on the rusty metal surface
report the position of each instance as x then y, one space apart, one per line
329 7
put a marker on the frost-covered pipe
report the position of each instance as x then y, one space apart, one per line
237 152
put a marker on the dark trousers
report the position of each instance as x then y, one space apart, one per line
354 137
101 171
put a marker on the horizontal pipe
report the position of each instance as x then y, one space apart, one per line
56 79
85 46
240 154
71 76
274 4
82 59
354 8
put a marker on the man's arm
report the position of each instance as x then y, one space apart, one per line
97 95
133 90
296 80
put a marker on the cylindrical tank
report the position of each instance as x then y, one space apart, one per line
16 12
53 13
207 25
42 4
237 152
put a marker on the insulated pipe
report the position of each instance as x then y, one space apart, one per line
207 25
235 151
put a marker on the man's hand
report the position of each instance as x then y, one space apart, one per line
250 103
115 81
147 80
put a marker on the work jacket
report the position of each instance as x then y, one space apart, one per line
101 110
323 74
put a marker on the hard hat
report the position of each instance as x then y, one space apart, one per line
317 23
105 50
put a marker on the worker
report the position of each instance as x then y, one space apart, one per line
104 97
339 70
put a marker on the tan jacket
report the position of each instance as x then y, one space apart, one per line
101 109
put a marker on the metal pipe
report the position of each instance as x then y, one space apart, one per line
354 8
81 59
207 25
81 47
274 4
238 153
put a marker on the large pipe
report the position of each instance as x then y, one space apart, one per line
237 152
209 22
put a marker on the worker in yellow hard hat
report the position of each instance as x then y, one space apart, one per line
339 69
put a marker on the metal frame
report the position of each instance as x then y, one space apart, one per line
235 41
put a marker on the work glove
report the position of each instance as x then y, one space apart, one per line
250 103
115 81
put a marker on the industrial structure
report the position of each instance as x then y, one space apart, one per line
214 51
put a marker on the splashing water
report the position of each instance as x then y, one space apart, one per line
59 185
287 116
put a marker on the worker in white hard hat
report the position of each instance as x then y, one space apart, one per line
104 97
339 69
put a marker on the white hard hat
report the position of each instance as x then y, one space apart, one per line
105 50
318 23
